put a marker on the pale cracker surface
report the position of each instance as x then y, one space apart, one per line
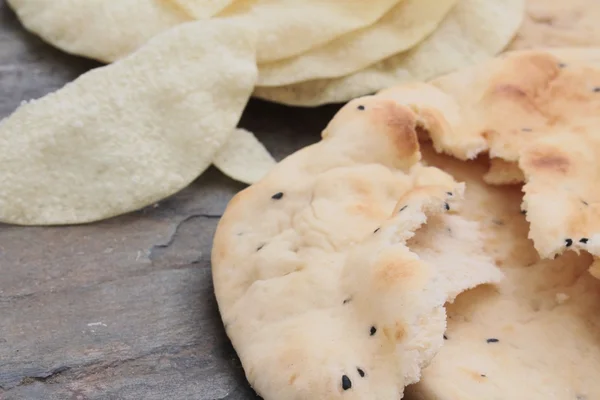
473 31
104 30
401 28
244 158
124 136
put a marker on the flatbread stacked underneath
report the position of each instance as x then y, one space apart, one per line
317 288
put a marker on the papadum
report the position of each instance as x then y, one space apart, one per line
401 28
243 157
317 288
127 135
103 30
473 31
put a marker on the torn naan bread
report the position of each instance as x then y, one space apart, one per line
540 111
535 335
317 289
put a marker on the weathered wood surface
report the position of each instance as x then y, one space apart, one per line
122 309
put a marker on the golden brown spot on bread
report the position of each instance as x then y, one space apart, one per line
550 161
400 331
510 90
392 271
474 374
370 210
401 127
292 379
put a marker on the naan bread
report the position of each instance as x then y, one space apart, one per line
540 111
403 27
317 289
558 23
124 136
472 32
534 336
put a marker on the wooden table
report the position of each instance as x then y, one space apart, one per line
122 309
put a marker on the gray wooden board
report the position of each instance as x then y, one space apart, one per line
124 308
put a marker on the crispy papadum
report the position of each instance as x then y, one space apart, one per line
403 27
124 136
473 31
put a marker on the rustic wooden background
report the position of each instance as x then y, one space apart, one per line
122 309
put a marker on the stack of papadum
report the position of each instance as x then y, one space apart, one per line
440 242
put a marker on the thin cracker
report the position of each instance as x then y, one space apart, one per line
244 158
124 136
401 28
473 31
104 30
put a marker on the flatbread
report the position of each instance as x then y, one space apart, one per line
556 23
535 335
473 31
317 290
124 136
503 172
288 28
244 158
541 112
401 28
103 30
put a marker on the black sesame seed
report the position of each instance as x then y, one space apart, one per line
562 65
347 300
346 382
583 240
445 337
596 89
585 203
483 376
277 196
450 193
373 330
376 230
403 208
492 340
260 247
447 206
568 242
523 212
361 107
526 129
361 372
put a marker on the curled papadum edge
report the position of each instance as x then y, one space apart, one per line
126 135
